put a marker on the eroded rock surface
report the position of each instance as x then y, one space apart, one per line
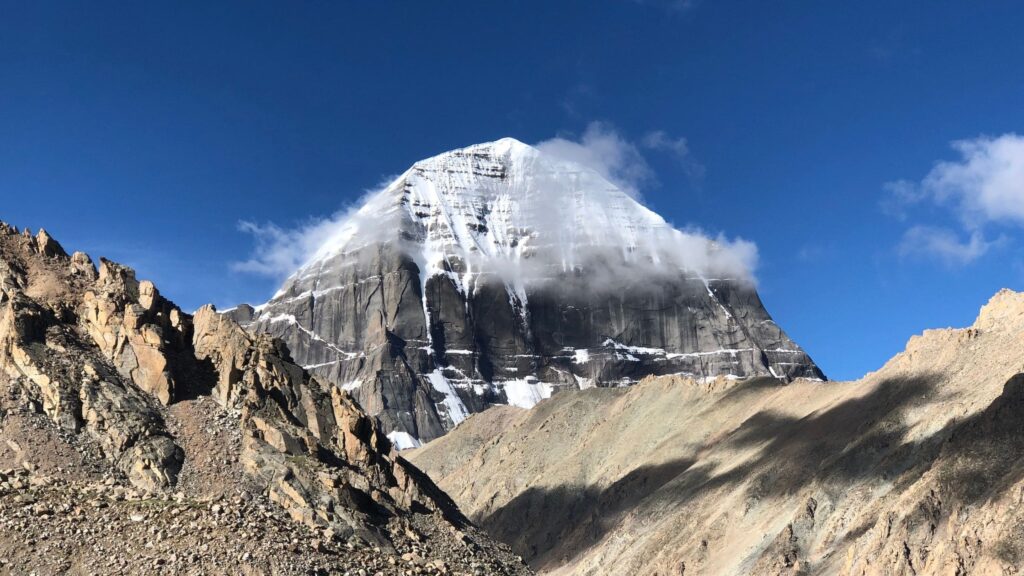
116 387
294 429
65 365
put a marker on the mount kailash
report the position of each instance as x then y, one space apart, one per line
498 273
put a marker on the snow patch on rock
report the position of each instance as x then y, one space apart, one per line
403 440
525 392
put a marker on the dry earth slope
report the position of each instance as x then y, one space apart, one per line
914 469
136 438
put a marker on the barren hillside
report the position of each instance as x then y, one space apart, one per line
914 469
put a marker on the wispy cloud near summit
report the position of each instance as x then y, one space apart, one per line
602 149
280 251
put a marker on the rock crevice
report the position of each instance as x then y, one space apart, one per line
109 362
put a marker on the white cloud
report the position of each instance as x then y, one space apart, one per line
603 150
661 251
985 186
278 252
620 161
815 252
943 244
902 194
678 148
659 140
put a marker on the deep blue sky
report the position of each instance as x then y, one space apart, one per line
146 131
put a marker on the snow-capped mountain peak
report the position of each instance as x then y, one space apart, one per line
502 273
499 204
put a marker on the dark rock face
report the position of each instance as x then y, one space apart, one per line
422 331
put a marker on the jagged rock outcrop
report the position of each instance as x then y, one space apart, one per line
121 371
63 368
913 470
145 336
499 274
294 429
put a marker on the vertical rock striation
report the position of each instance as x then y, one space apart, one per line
499 274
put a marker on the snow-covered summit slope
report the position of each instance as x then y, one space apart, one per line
499 273
503 206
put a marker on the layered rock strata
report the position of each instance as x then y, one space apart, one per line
498 274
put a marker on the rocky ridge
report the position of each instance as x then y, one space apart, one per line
498 274
131 428
914 469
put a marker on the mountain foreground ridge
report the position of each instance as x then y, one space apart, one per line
915 469
136 438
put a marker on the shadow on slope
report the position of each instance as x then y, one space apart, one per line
970 482
853 440
556 524
857 439
983 455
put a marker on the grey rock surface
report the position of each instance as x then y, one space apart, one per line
450 290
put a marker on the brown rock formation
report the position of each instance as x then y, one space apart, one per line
138 330
66 369
294 428
99 363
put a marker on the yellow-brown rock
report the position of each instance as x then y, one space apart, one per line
915 469
106 369
72 362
